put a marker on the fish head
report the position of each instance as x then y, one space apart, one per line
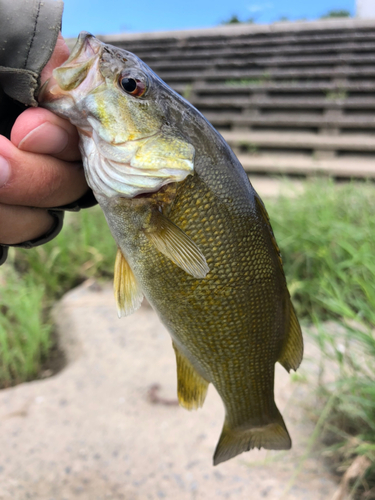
128 145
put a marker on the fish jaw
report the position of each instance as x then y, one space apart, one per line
126 150
78 76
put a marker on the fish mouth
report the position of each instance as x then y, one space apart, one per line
71 81
87 46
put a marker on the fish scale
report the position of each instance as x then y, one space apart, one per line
193 237
241 311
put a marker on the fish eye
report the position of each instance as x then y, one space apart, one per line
132 86
128 84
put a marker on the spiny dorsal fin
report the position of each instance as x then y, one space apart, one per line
266 217
127 292
191 387
177 246
292 350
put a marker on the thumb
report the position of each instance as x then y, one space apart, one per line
37 130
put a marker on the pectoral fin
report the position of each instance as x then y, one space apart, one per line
127 292
191 387
177 246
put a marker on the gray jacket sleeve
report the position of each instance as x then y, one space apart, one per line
28 34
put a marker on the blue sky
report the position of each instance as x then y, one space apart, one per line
116 16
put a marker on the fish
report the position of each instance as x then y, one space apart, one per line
193 237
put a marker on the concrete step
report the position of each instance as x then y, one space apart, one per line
305 32
151 53
263 76
294 118
240 86
284 140
293 165
273 187
277 67
333 100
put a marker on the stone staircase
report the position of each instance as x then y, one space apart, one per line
293 98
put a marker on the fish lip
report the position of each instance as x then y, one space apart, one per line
90 42
84 40
87 48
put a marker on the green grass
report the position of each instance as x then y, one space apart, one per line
25 336
338 94
327 239
82 250
347 379
261 80
32 280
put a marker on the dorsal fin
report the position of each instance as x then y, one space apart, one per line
127 291
170 240
266 217
292 351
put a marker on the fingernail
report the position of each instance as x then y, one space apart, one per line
4 171
46 139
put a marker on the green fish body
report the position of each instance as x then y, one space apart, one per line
193 237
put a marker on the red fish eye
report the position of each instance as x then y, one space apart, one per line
133 86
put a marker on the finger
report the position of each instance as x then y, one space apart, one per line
59 55
37 130
38 180
22 224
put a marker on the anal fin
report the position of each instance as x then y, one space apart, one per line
127 291
292 350
191 387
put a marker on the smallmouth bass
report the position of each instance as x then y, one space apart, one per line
193 237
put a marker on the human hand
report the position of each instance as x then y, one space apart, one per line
39 168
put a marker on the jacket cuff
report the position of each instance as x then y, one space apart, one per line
58 217
86 201
3 254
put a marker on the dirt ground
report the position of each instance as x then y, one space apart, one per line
108 426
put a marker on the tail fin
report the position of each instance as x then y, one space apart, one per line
232 442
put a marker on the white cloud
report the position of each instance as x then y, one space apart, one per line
260 7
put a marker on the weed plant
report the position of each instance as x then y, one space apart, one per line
261 80
25 336
32 280
327 237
